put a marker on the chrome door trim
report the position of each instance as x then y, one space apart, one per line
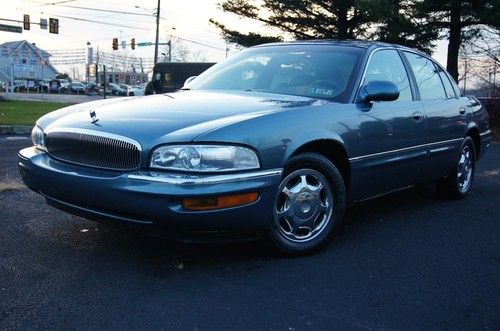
485 133
362 157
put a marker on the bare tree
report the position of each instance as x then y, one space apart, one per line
480 61
182 53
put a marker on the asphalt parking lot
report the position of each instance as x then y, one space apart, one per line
408 260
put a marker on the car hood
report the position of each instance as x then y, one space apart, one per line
171 117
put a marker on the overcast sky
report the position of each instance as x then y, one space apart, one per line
182 18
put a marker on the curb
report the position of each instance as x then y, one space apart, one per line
15 129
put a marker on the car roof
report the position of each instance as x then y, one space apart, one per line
366 44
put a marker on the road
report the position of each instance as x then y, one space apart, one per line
409 260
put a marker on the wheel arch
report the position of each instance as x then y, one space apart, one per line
473 133
333 150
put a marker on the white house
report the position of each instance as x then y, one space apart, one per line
25 60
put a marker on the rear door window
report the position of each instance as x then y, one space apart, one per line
450 93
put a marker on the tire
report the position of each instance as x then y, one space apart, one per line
309 205
457 185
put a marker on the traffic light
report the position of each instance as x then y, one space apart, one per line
26 22
53 25
132 43
115 44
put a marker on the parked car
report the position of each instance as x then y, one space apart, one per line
20 85
43 85
92 89
275 141
54 86
126 88
137 90
76 87
31 85
64 85
115 89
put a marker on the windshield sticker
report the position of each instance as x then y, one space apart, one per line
321 91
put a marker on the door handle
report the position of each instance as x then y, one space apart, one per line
462 111
417 117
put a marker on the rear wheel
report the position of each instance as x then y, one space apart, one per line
458 184
309 205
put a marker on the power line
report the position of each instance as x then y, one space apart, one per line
101 10
97 22
41 4
199 43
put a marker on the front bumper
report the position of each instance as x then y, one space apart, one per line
151 200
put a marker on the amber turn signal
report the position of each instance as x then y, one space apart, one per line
219 202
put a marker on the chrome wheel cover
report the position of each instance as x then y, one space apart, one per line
464 169
304 205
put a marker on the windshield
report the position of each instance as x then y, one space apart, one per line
318 71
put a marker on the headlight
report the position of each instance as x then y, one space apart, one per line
204 158
38 138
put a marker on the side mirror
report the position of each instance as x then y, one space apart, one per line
378 90
189 80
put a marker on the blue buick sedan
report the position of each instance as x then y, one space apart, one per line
276 141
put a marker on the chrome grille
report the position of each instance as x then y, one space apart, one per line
94 149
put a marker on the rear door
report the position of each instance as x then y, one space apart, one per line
446 115
392 132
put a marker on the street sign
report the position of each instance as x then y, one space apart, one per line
43 24
11 28
144 44
124 44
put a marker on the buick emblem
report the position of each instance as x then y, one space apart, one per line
93 116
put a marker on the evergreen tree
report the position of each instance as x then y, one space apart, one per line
462 20
302 19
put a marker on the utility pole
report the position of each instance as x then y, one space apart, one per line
11 85
105 81
465 77
97 68
157 31
43 66
87 62
169 50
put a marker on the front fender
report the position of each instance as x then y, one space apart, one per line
277 136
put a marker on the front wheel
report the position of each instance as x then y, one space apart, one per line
309 205
458 184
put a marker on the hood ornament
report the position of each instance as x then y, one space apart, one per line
93 116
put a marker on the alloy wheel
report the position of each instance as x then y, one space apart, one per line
465 168
304 205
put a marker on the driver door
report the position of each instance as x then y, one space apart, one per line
391 133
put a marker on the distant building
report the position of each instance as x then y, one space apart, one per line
26 60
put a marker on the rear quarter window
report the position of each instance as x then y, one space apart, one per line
427 77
